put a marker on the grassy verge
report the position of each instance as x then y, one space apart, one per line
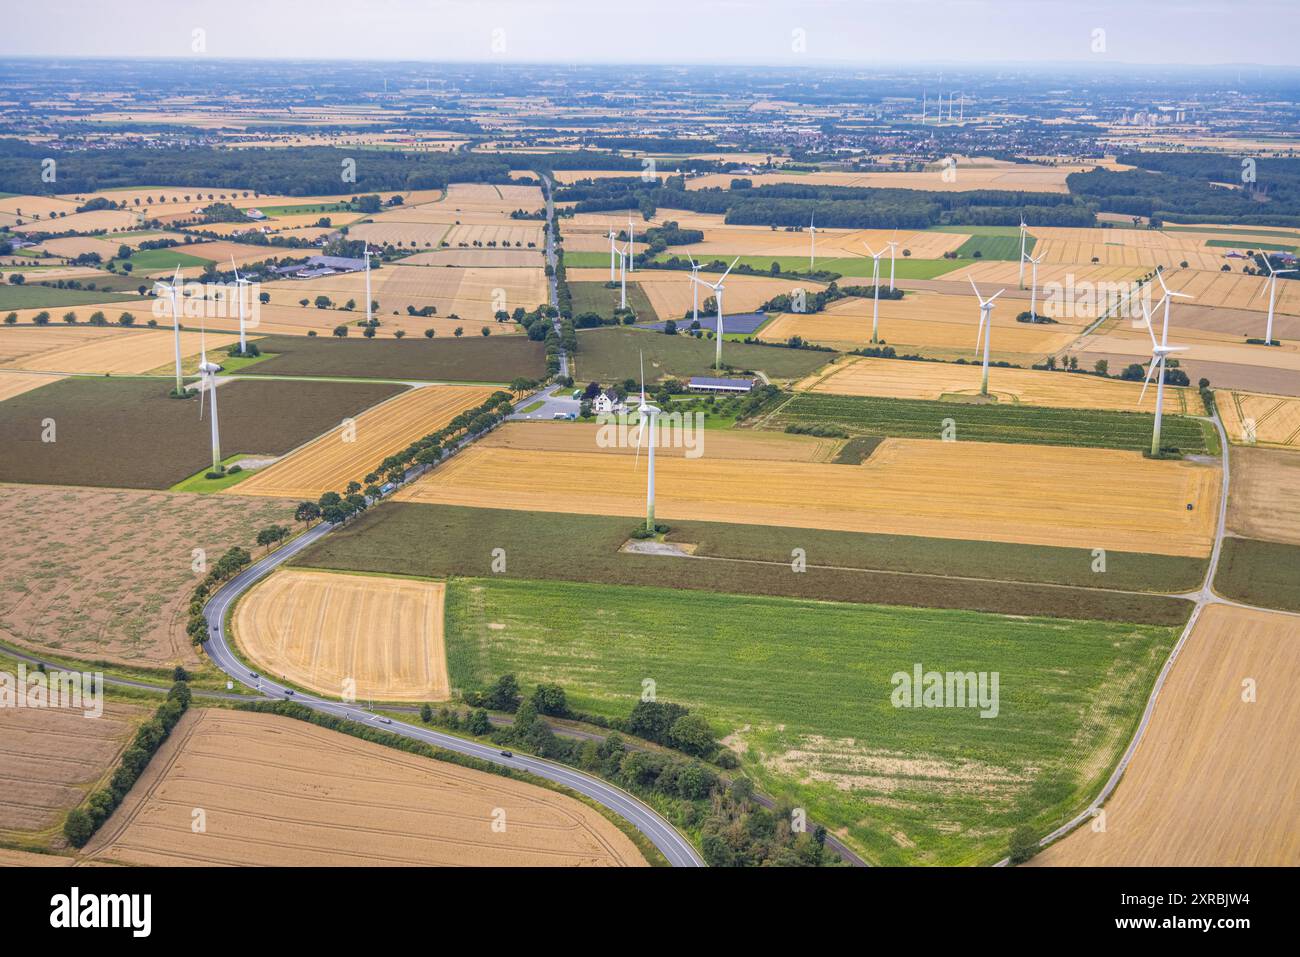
843 566
199 482
805 688
1034 425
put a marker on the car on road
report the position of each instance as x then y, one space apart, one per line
288 691
385 720
507 754
254 674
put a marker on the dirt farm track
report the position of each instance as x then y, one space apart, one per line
281 792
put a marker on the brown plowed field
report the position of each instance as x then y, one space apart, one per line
1265 499
281 792
50 758
858 375
331 461
356 636
1215 781
1040 495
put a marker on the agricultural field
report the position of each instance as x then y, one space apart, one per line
349 452
1213 781
51 759
337 800
613 354
669 290
753 559
123 601
33 295
594 297
927 323
16 383
474 358
1253 419
99 350
922 419
971 174
1093 498
128 433
900 786
1265 574
1264 502
934 381
362 637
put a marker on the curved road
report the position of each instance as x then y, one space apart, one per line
673 846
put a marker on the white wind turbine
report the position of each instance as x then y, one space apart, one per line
695 291
1033 286
368 299
171 291
623 255
893 247
1023 233
208 383
241 283
812 244
1169 296
612 251
1272 295
631 241
875 289
648 413
1159 351
985 330
717 288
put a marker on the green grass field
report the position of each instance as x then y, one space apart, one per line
1260 573
1004 247
854 268
806 688
755 559
35 296
613 354
472 358
594 297
1249 243
923 419
148 260
306 208
199 482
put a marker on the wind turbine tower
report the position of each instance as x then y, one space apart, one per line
986 320
650 414
241 285
1272 295
717 288
171 291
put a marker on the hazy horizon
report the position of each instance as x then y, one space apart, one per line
814 33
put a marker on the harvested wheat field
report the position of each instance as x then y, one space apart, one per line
971 175
91 350
1090 498
11 858
928 323
359 636
51 758
894 379
348 452
992 276
669 291
281 792
714 443
1251 418
1264 502
1215 780
16 383
124 600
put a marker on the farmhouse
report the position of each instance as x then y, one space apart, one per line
607 401
721 386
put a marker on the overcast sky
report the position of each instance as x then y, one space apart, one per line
1194 32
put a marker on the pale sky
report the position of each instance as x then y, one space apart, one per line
1192 32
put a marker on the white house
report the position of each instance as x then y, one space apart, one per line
607 401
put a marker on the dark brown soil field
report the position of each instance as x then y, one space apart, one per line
470 359
127 433
884 569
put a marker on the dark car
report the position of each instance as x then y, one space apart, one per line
288 691
507 754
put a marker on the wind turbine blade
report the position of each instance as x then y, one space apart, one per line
975 289
1147 382
1146 314
234 267
636 463
1261 289
642 355
995 295
979 333
729 268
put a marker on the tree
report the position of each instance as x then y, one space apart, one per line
460 331
399 334
426 713
504 694
1101 367
368 332
478 722
323 302
341 331
306 512
42 318
428 333
670 328
691 733
550 699
126 319
1024 844
486 331
78 827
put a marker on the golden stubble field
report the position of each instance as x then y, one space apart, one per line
1264 501
16 383
281 792
1215 780
1040 495
328 463
51 758
348 636
1252 418
88 349
970 175
895 379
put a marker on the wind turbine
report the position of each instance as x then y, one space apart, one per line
1023 232
812 240
1033 286
612 250
875 289
631 239
622 273
650 413
368 300
1159 350
1168 296
893 246
240 283
695 291
176 323
717 288
1272 295
986 316
208 383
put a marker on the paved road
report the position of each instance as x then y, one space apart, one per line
673 845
